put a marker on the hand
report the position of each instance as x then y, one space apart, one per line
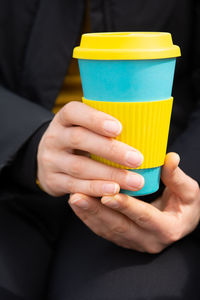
144 227
80 127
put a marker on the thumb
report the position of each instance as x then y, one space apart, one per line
176 180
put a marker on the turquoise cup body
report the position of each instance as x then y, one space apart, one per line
130 81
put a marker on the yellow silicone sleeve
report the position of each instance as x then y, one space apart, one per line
145 127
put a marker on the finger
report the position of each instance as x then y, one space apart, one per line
85 168
61 184
97 214
177 181
143 214
106 222
111 149
77 113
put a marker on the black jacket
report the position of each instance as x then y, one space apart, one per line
36 42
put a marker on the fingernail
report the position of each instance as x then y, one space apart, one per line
135 181
112 126
134 158
110 188
81 203
111 202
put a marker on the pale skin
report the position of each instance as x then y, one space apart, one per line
124 220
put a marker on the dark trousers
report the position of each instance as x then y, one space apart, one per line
47 253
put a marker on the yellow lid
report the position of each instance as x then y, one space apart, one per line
126 46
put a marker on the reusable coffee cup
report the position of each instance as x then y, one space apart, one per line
129 75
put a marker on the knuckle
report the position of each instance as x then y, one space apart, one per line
70 105
144 219
111 236
70 186
50 141
127 246
94 189
58 187
122 243
85 218
46 158
76 167
94 117
195 188
113 173
68 109
118 175
52 185
124 202
67 112
123 173
193 192
139 248
171 236
154 248
120 228
113 146
94 210
76 137
106 235
102 234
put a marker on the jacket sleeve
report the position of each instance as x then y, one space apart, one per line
22 124
188 143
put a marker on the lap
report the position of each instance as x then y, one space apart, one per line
26 245
88 267
85 266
